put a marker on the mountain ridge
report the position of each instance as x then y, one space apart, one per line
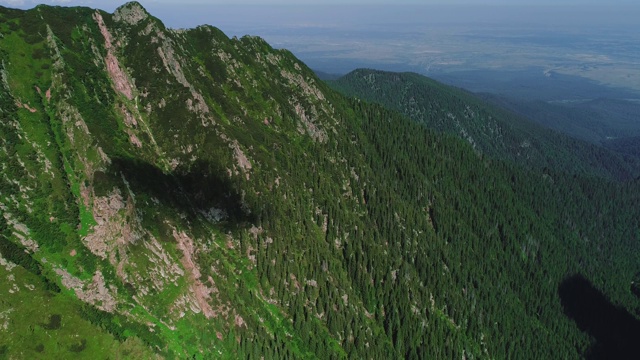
596 121
491 130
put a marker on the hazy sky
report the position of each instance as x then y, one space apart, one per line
266 17
221 13
110 4
563 35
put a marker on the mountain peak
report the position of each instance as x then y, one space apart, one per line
131 13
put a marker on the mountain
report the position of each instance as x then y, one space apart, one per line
626 145
180 194
326 76
490 130
596 121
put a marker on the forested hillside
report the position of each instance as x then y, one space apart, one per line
489 129
593 120
176 193
626 145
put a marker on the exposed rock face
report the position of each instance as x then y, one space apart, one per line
131 13
308 125
26 106
21 232
94 292
198 289
307 87
118 76
172 64
135 141
108 229
241 159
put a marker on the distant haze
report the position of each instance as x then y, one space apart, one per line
595 40
191 13
110 4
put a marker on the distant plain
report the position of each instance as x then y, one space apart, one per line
513 49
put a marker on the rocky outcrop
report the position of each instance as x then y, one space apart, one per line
119 78
95 292
197 288
131 13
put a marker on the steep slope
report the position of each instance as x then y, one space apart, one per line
182 194
489 129
118 170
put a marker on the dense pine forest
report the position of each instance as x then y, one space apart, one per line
497 132
180 194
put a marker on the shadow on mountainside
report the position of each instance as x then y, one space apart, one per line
615 330
199 188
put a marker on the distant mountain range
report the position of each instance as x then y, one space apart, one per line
503 131
596 121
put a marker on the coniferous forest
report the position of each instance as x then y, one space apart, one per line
181 194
